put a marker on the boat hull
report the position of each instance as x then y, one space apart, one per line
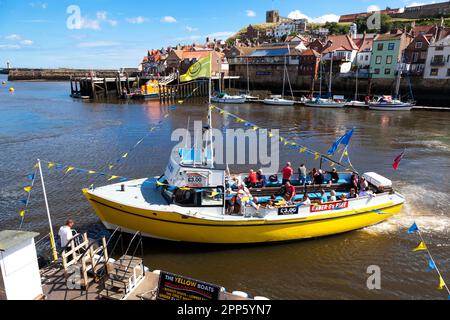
279 102
178 227
229 101
391 107
324 105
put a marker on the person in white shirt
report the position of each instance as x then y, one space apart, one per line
365 192
65 233
333 196
306 201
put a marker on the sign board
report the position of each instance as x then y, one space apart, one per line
328 206
283 211
174 287
195 179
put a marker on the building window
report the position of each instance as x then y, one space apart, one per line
440 48
378 60
377 71
448 72
367 58
388 59
380 47
434 72
391 46
419 44
387 71
415 57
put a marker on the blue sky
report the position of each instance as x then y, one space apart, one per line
113 34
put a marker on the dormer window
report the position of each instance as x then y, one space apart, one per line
419 45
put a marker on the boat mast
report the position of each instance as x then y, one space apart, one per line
357 74
331 74
399 78
52 237
209 113
284 76
248 79
320 83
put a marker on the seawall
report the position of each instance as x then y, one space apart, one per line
62 74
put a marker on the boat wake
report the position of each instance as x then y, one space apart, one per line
428 208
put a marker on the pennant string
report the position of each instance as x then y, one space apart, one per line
23 211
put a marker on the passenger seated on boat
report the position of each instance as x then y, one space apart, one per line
302 174
334 175
273 178
366 192
323 196
252 179
343 197
244 197
333 196
317 175
363 184
306 201
289 192
354 181
261 179
352 194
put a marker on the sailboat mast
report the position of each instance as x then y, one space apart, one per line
248 79
284 76
331 74
399 77
320 83
209 113
356 86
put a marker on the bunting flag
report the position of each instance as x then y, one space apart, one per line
25 202
28 189
421 246
397 160
69 169
431 262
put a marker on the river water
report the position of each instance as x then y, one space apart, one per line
41 121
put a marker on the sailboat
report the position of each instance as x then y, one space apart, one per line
388 103
222 97
248 97
279 100
325 103
355 102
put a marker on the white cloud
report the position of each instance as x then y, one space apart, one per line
191 29
14 37
9 46
297 14
137 20
221 34
97 44
40 5
168 19
26 42
250 13
373 8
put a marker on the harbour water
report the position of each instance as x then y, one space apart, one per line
41 121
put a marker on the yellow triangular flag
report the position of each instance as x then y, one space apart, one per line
110 166
332 164
69 169
22 213
441 283
270 134
91 172
184 188
36 165
317 155
180 101
159 183
302 150
293 144
421 246
27 189
213 194
125 155
112 178
345 153
255 128
50 165
285 143
281 138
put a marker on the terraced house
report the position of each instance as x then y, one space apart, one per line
437 65
387 54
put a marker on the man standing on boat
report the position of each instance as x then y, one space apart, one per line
65 233
287 173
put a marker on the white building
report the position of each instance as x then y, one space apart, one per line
437 65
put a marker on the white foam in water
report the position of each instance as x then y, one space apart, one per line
428 208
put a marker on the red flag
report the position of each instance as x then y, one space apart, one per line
397 160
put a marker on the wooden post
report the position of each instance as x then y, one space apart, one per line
94 95
105 82
71 86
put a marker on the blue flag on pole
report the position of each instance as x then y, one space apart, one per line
344 140
413 228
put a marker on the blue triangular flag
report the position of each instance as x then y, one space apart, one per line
431 265
30 176
123 179
24 201
413 228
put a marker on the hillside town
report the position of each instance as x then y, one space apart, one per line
413 40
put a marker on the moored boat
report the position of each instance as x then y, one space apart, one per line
225 98
355 103
278 101
388 104
324 103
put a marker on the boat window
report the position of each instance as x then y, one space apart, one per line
212 197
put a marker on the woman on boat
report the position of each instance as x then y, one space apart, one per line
334 175
333 196
244 197
352 194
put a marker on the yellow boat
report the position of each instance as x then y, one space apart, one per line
188 203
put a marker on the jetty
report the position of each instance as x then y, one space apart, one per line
104 269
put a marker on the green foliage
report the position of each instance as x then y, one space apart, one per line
337 28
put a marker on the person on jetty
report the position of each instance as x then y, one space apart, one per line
287 173
66 234
302 172
261 180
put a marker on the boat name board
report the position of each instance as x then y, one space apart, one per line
328 206
283 211
175 287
